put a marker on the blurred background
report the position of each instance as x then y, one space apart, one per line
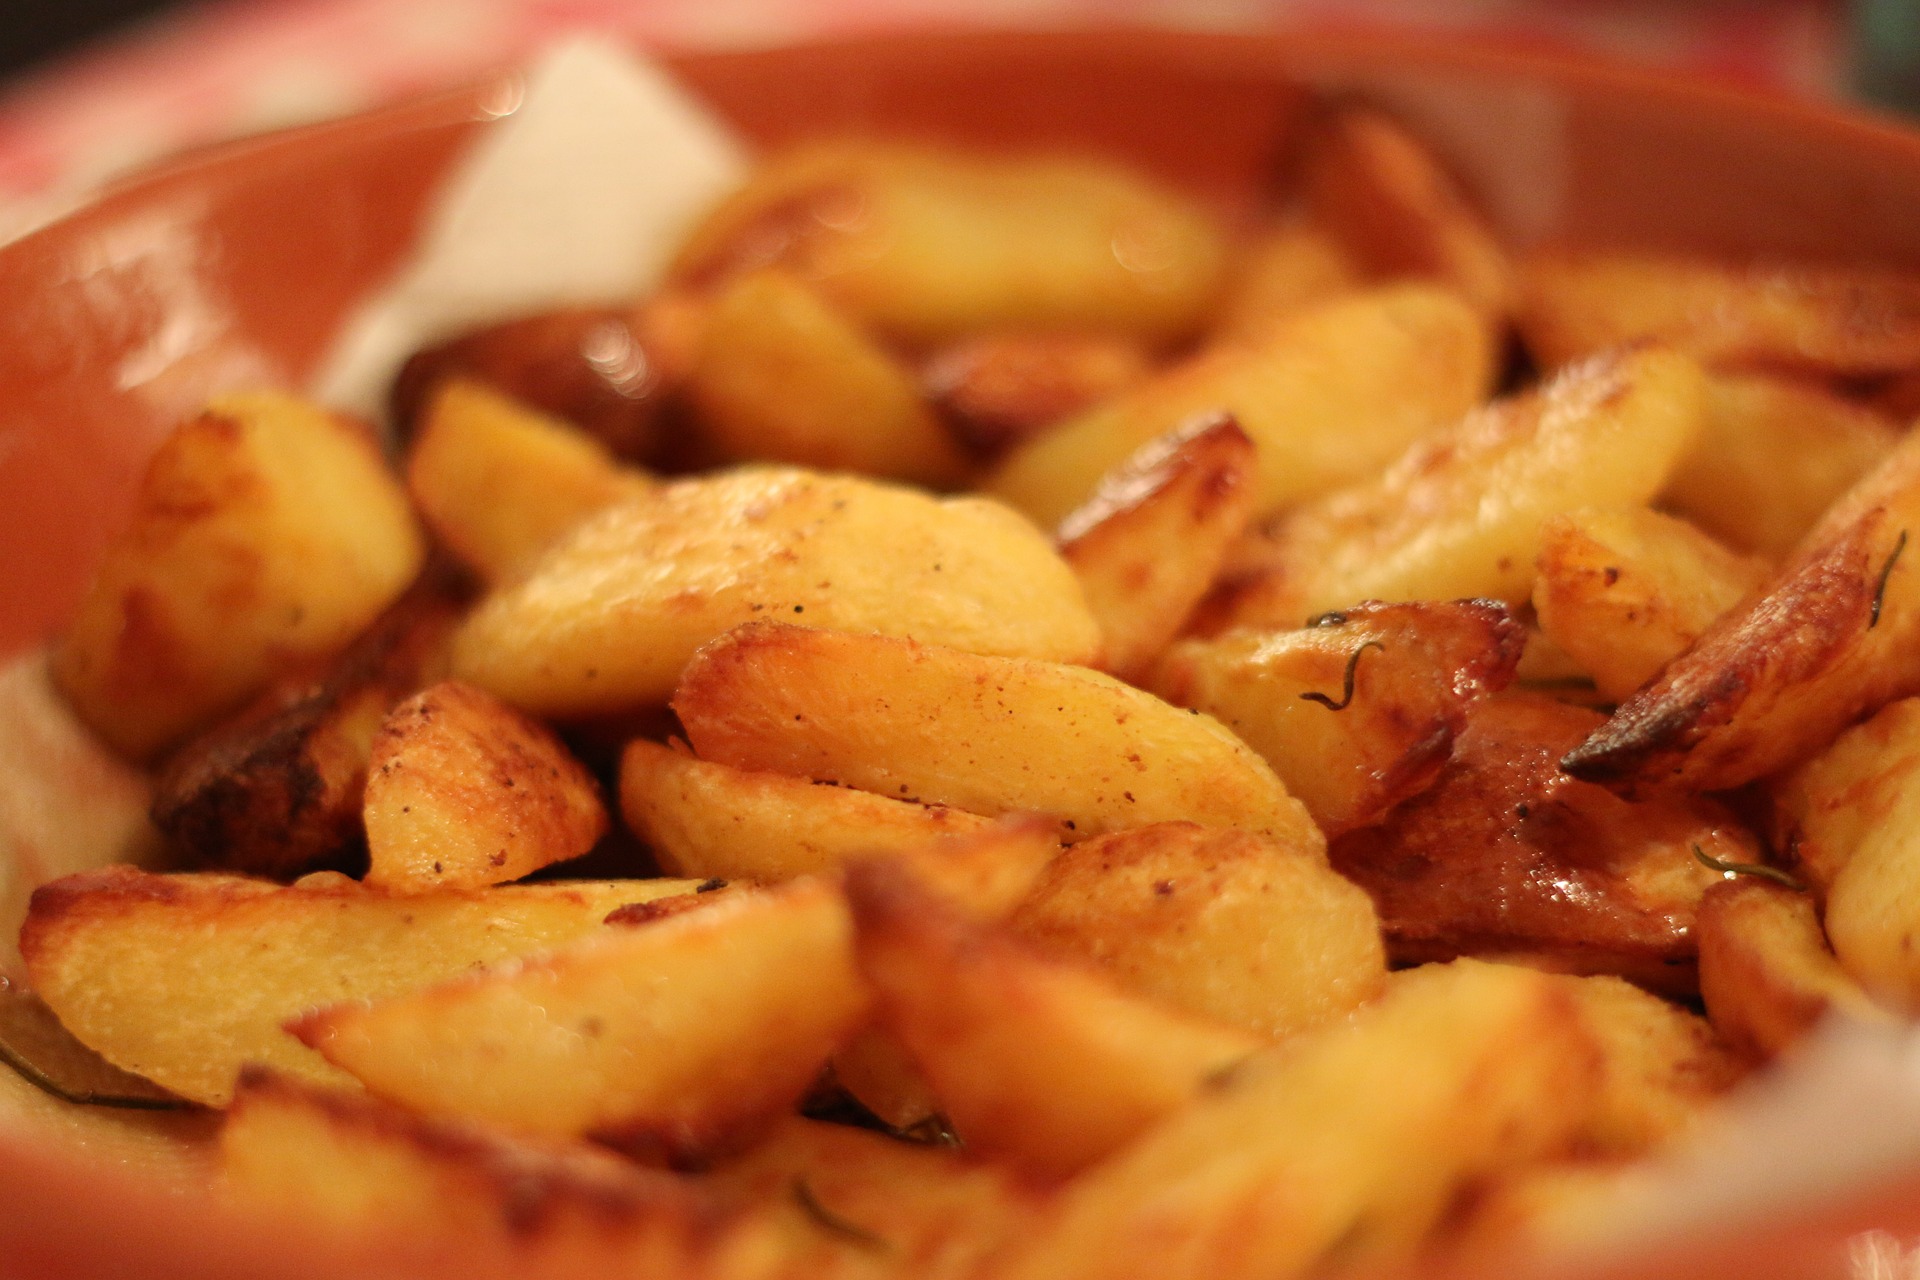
89 88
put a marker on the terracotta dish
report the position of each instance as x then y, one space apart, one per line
237 263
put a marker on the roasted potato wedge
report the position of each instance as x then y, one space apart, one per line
1840 799
1507 856
676 1037
1460 513
1223 925
1329 396
1809 319
499 483
1358 711
990 735
1767 975
105 951
1285 269
999 389
1623 590
1035 1061
703 819
1773 454
782 376
928 245
598 368
1147 544
266 533
362 1166
463 791
1397 211
1834 635
1660 1066
618 608
278 790
899 1208
1348 1143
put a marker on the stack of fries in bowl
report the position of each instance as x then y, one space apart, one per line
1143 655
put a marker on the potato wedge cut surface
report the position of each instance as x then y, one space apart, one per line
1459 514
1036 1061
182 978
671 1036
464 791
989 735
615 611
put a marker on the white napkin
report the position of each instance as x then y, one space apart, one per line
576 197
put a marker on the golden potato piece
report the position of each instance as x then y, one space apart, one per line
1147 544
1660 1065
1506 856
1773 454
1329 396
1398 212
703 819
1622 590
989 735
1358 711
1460 513
599 368
1355 1139
1036 1062
1834 635
1835 802
926 244
876 1070
998 389
899 1208
620 605
782 376
499 483
266 533
1811 319
1767 976
678 1036
464 791
359 1165
1285 269
278 790
1223 925
105 950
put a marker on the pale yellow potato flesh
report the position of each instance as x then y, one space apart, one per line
926 245
615 611
1829 806
1773 454
1035 1061
1359 1135
1282 270
266 533
105 951
1623 590
990 735
1329 397
670 1036
1459 515
781 376
498 482
1235 928
463 791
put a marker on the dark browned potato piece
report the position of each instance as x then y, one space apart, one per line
998 389
591 365
1506 856
277 790
1834 635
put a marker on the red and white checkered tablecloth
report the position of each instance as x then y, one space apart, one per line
240 66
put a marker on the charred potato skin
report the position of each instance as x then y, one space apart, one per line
277 792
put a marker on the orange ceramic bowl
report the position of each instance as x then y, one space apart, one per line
237 263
